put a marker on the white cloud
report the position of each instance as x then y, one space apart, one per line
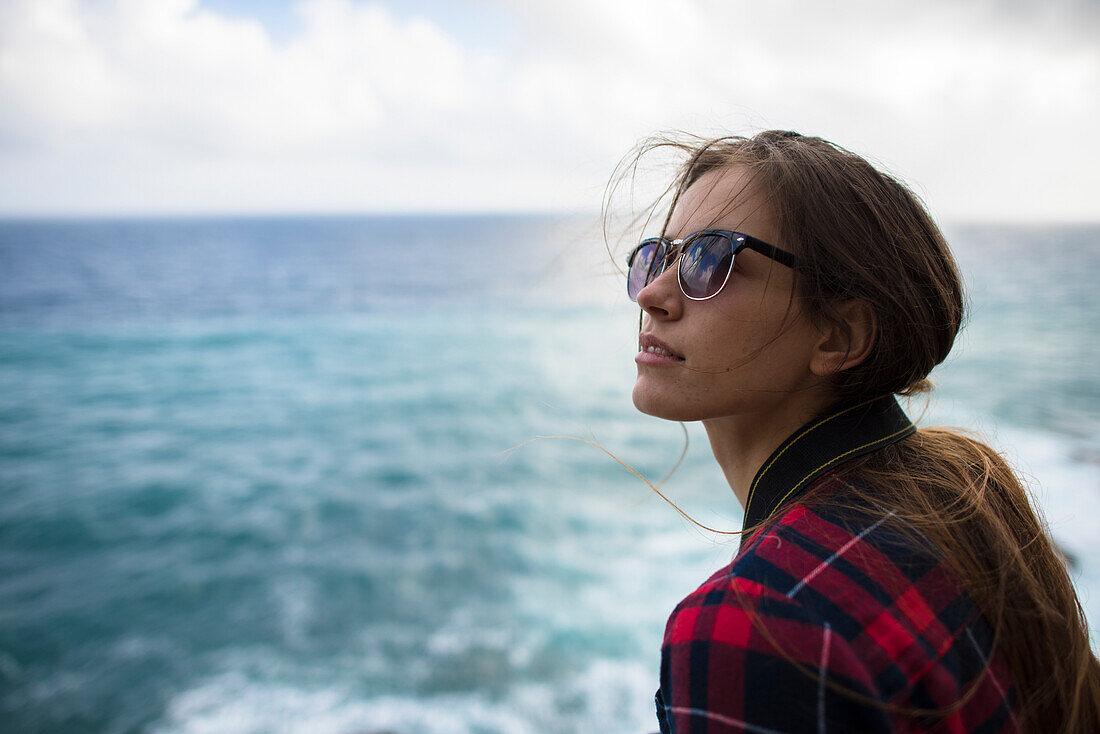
161 105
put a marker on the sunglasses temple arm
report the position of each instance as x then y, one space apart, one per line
780 256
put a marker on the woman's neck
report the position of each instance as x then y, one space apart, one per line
742 443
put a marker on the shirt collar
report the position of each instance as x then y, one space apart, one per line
842 434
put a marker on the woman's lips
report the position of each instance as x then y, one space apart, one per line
653 351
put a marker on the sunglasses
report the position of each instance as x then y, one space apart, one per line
706 260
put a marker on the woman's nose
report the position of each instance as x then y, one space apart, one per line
661 298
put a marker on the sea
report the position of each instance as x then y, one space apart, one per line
361 474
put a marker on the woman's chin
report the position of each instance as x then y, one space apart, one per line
660 406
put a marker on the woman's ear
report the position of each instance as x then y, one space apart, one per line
846 342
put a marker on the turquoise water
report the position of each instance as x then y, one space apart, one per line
255 474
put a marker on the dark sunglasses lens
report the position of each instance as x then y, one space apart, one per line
706 265
643 268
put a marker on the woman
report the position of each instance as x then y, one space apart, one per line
889 578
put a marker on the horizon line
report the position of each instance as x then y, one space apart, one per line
134 216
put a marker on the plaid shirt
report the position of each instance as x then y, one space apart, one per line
830 620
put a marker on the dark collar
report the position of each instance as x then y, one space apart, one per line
840 435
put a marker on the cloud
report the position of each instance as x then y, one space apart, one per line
128 85
165 105
977 104
168 71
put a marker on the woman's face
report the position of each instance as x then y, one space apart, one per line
744 352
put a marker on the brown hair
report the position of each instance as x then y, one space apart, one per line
861 234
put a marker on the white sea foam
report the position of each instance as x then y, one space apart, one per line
1064 486
1067 491
608 696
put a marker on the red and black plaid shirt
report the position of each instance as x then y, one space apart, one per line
830 620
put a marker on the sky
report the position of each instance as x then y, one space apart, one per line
989 109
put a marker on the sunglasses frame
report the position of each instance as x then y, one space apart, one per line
676 248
